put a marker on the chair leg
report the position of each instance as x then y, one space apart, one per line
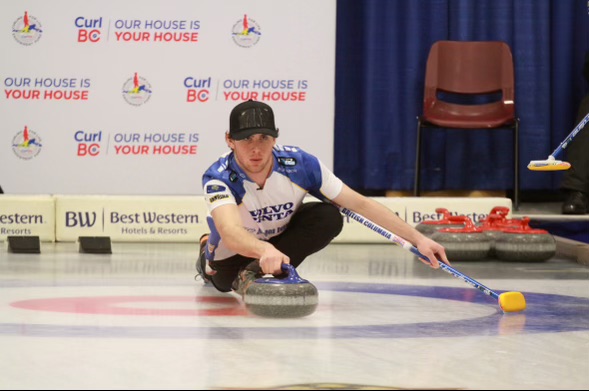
516 163
417 182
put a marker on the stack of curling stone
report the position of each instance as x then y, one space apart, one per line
289 296
468 243
525 244
429 227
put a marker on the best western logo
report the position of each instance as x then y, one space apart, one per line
80 219
90 219
20 218
153 218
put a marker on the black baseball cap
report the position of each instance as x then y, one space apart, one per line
251 117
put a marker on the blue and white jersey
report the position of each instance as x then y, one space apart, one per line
266 212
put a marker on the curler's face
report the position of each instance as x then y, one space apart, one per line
253 153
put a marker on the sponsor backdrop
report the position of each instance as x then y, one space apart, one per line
183 218
133 97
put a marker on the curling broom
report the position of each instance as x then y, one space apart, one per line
508 301
552 164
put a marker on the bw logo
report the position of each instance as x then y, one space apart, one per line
80 219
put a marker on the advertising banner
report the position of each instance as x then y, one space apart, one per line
27 216
133 97
131 219
183 218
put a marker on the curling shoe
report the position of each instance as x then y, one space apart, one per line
201 262
575 203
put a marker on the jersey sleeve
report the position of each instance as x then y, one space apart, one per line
321 182
331 185
217 193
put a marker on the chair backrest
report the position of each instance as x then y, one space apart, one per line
469 67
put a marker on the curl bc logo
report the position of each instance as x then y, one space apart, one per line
26 144
27 30
89 29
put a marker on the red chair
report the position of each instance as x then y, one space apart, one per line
469 85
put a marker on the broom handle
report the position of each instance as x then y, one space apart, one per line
408 246
570 137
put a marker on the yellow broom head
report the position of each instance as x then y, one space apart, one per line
512 302
548 165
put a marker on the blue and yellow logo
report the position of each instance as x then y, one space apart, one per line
215 189
27 30
246 32
26 144
137 90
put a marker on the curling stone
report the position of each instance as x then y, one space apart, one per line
429 227
525 244
285 297
493 229
495 224
463 244
498 219
498 213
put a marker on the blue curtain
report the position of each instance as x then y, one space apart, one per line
382 48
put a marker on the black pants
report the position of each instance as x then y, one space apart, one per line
577 177
311 228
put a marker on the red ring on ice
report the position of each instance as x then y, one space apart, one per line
110 305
